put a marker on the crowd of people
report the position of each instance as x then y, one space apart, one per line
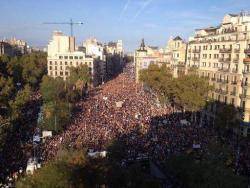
122 110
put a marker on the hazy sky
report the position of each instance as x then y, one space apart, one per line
129 20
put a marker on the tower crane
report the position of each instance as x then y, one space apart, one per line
71 23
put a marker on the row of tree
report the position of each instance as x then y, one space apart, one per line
59 97
19 78
73 168
187 92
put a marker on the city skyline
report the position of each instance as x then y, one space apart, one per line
129 20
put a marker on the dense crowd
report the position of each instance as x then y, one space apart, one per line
122 109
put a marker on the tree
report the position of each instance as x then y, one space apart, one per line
56 116
207 173
57 173
34 67
52 89
7 92
191 93
79 78
160 80
227 117
18 104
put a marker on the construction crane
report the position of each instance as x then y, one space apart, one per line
71 23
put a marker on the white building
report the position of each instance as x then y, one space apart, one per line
62 55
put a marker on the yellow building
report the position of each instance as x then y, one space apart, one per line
222 55
145 56
176 51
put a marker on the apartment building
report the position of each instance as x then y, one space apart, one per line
176 55
13 47
96 50
222 54
114 48
147 55
62 55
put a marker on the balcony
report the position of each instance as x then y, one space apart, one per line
224 69
225 50
225 60
195 58
236 60
244 96
244 84
247 51
234 82
196 51
234 70
236 50
246 72
246 60
221 91
233 93
213 79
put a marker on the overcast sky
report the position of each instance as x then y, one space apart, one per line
129 20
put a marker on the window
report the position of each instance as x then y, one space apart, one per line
81 57
70 63
61 73
50 67
70 57
66 63
225 99
55 73
65 57
232 101
55 67
76 57
60 63
55 63
60 57
50 62
66 73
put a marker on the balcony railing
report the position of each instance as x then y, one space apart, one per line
246 71
236 60
234 82
196 51
246 60
234 70
225 50
233 93
195 58
225 60
223 69
221 91
247 51
244 95
236 50
222 81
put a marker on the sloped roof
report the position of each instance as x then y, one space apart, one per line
177 38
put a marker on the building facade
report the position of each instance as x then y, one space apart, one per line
147 55
222 55
62 55
176 55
